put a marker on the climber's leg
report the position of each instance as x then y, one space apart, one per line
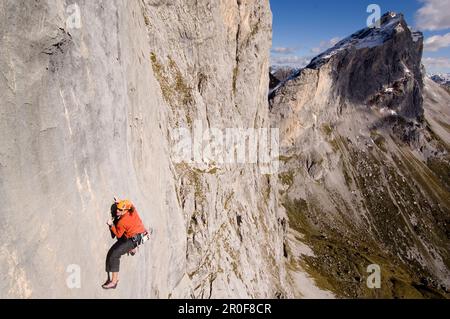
121 247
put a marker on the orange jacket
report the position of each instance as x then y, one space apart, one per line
129 225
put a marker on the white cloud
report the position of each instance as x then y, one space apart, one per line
283 50
291 60
436 65
437 42
434 15
324 45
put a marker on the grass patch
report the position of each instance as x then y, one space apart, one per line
441 169
284 159
184 91
164 83
286 178
379 140
228 199
194 177
347 177
176 92
235 75
327 129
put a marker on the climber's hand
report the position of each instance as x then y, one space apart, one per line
116 199
110 222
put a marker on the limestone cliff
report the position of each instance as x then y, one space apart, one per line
87 112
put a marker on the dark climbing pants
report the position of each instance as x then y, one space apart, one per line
121 247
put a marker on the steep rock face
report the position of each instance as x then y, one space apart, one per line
213 70
89 112
365 170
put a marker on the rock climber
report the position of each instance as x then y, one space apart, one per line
127 226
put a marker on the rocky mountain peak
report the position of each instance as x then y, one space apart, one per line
390 56
392 27
363 137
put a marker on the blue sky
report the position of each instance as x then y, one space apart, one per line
302 29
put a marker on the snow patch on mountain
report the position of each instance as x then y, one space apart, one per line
391 23
440 78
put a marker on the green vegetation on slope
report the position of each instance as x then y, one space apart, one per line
395 193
